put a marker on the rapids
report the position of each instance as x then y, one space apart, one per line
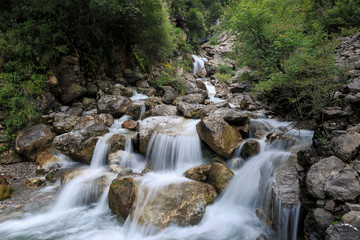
81 211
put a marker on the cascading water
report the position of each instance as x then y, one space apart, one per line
199 63
81 211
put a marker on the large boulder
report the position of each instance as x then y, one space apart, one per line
114 105
219 135
104 119
80 144
169 94
149 125
33 138
182 203
346 146
342 232
343 186
319 173
220 176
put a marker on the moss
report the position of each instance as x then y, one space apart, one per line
5 192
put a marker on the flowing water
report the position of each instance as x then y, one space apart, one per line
81 210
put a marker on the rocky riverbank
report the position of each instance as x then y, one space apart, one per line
77 112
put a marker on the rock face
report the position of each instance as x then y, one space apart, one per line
220 176
342 232
181 203
33 138
114 105
80 144
319 173
346 146
219 135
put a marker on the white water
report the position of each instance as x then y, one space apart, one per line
199 63
81 211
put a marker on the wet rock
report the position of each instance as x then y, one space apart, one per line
104 119
250 149
246 101
134 110
346 146
148 125
198 173
114 105
181 203
352 218
45 159
286 186
118 141
80 144
5 189
220 176
342 232
122 195
33 138
163 110
234 116
190 110
169 94
219 135
281 141
319 173
342 186
129 124
64 122
72 92
263 217
192 98
121 90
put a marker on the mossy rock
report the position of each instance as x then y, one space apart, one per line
5 192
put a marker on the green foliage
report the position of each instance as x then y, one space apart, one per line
223 77
225 69
295 62
35 34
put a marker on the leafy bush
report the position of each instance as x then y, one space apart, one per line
296 64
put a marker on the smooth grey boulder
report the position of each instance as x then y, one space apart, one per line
319 173
250 149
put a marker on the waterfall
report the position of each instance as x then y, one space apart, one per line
198 64
80 211
175 150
